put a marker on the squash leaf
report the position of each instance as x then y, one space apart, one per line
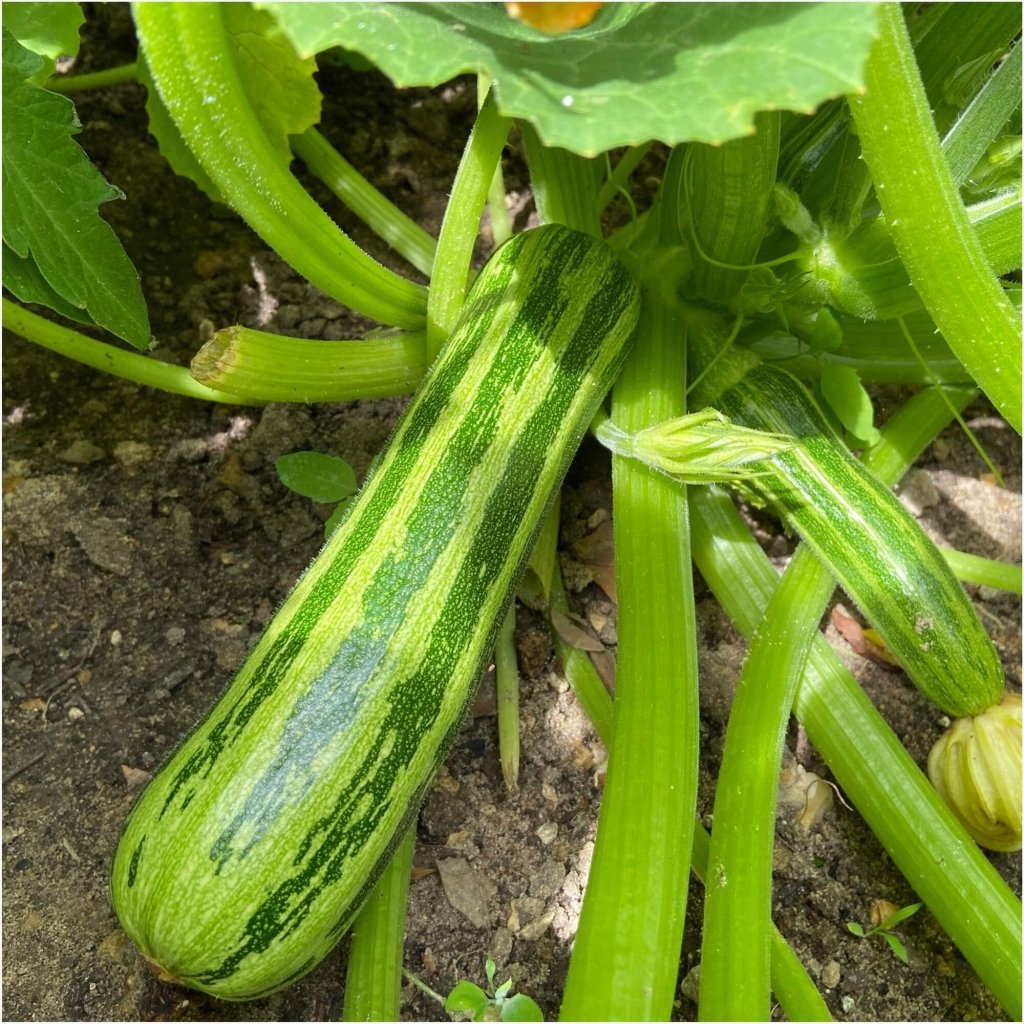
51 199
49 30
638 72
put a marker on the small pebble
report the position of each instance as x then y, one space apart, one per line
175 635
547 833
690 986
116 638
830 974
82 452
75 713
132 453
535 929
501 945
918 492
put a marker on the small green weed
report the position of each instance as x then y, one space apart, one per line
884 929
494 1003
477 1004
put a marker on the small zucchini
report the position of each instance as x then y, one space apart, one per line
859 530
248 854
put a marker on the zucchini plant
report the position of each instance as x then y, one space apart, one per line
826 225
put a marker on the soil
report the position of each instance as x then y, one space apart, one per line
148 542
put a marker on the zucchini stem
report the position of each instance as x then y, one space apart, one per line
626 954
507 687
94 79
257 366
370 205
132 366
462 223
929 226
373 983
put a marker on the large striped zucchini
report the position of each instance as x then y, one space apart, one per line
247 855
859 530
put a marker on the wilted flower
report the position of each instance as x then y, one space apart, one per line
700 448
976 767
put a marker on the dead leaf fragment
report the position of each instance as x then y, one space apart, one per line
866 642
573 634
135 777
881 910
596 551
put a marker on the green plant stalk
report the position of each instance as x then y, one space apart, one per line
564 184
543 566
95 79
373 983
501 226
245 365
791 983
997 223
626 954
191 58
462 223
937 857
947 37
984 119
730 199
929 225
985 572
735 958
507 687
805 142
851 186
876 349
628 163
109 359
371 206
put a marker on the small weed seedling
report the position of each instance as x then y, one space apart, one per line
884 929
477 1004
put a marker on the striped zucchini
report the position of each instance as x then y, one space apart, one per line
248 854
859 530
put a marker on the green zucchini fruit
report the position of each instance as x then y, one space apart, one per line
860 531
248 854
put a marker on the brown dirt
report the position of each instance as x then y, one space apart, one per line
148 541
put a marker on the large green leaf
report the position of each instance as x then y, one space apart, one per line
279 85
51 198
639 71
48 29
